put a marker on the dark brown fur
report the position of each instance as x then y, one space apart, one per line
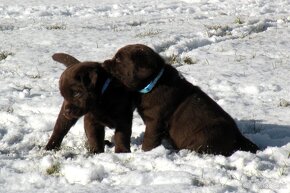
175 107
80 85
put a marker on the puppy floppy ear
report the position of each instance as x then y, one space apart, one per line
65 59
139 58
93 76
147 58
88 78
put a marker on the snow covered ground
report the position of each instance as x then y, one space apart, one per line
236 51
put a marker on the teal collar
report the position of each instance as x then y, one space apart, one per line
151 85
105 86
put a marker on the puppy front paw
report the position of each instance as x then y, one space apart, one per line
52 146
94 149
122 150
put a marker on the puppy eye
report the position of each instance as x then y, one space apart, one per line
118 59
77 94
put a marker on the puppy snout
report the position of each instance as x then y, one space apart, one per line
107 64
67 112
71 112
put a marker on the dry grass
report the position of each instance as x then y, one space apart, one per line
5 54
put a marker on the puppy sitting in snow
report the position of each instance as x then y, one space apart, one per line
171 106
90 91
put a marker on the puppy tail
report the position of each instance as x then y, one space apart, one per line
245 144
65 59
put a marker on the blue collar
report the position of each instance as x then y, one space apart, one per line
151 85
105 86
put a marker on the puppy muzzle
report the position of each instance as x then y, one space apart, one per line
72 113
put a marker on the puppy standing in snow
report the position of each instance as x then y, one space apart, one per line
171 106
90 91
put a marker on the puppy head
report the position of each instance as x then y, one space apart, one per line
134 65
76 85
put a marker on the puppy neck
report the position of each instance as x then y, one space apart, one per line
152 84
103 81
106 85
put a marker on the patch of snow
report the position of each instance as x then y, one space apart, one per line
236 51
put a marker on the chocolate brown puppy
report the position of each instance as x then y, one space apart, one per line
89 90
171 106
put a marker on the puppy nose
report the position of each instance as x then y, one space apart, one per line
67 111
106 63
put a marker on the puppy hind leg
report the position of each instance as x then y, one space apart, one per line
245 144
152 137
95 133
122 138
